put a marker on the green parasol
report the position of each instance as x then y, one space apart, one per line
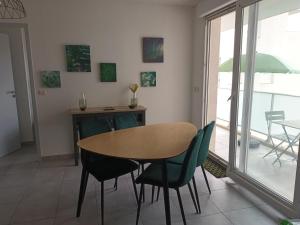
264 63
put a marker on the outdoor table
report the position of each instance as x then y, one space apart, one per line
157 142
295 124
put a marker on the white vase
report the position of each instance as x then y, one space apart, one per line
82 102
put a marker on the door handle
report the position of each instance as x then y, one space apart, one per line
231 96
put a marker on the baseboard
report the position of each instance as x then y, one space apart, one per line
58 157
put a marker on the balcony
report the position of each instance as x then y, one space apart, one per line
280 177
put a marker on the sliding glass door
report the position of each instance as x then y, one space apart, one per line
265 128
254 95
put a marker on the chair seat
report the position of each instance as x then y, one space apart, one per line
153 175
283 137
109 168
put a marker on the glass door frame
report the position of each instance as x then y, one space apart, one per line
208 19
290 209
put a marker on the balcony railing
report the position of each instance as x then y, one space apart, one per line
261 102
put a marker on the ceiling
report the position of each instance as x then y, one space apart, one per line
172 2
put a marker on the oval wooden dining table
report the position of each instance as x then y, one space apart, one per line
150 142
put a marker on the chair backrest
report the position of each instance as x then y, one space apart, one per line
125 120
273 116
89 127
190 160
204 148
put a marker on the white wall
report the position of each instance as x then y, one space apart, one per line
207 6
21 81
114 30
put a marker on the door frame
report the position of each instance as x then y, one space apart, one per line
32 90
216 14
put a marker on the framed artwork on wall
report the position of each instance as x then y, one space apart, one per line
108 72
50 79
153 50
148 79
78 58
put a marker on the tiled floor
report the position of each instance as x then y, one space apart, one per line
280 178
45 193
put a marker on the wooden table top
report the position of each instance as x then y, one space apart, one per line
158 141
289 123
107 109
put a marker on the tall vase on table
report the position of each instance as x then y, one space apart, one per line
134 99
82 102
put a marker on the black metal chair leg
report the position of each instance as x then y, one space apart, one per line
102 202
83 184
181 207
166 192
139 205
196 193
139 169
158 191
205 177
134 187
116 183
143 169
193 197
152 196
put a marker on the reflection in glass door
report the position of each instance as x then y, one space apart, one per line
268 124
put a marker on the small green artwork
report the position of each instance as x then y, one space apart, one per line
108 72
50 79
78 58
148 79
153 50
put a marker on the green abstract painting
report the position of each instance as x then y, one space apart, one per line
50 79
78 58
153 50
148 79
108 72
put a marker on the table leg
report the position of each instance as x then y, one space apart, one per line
289 140
75 139
285 150
290 145
166 192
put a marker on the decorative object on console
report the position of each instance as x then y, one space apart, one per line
78 58
148 79
82 102
12 9
50 79
153 50
108 72
133 101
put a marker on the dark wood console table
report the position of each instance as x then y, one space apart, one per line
100 112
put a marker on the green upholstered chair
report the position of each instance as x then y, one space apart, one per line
202 156
125 120
178 174
101 167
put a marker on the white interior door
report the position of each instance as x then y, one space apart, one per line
9 124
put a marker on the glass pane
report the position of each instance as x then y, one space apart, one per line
270 92
220 79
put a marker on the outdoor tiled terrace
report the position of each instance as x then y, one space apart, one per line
279 178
